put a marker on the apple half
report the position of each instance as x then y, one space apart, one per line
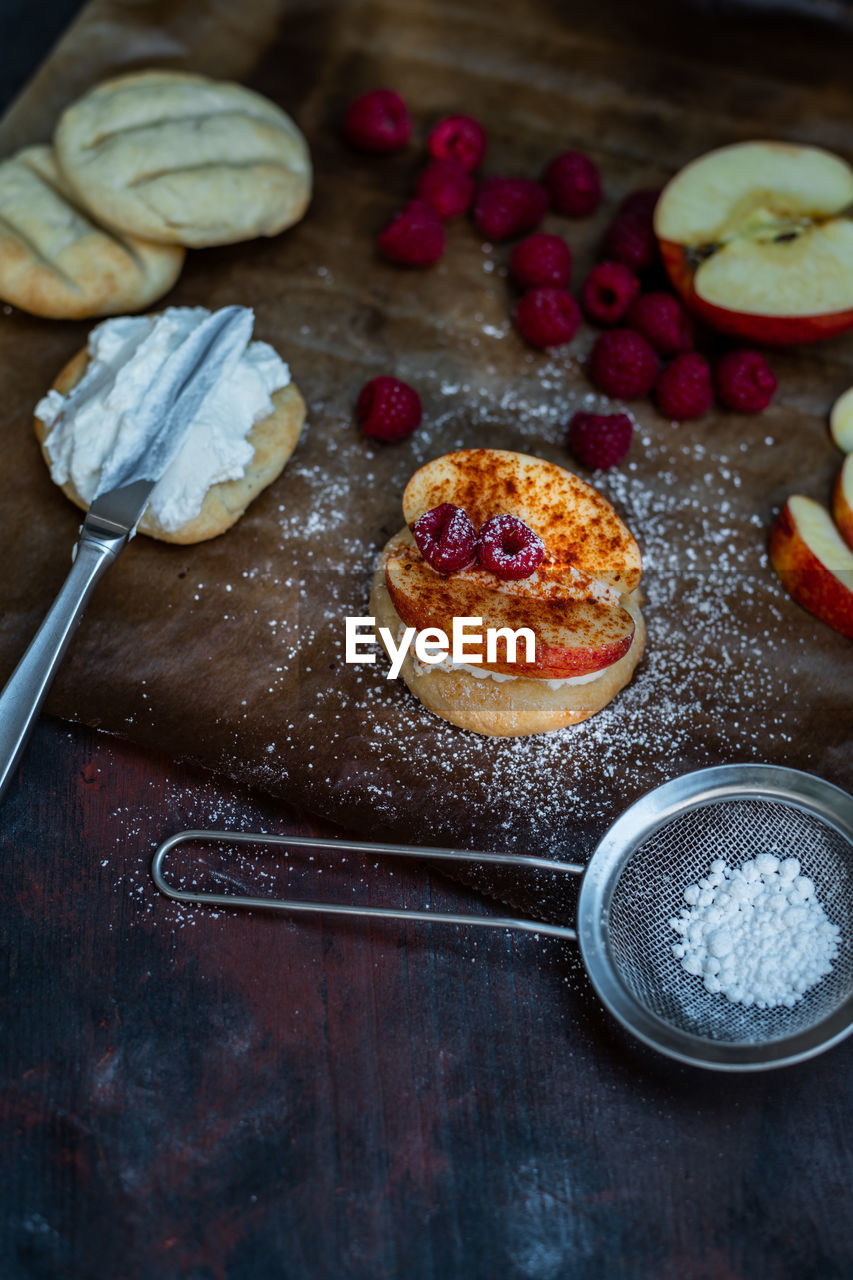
813 562
842 501
757 240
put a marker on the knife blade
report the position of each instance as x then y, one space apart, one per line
160 424
164 416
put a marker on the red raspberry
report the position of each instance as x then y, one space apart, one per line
642 202
547 317
608 292
446 538
541 259
447 188
388 409
414 236
631 239
623 364
661 319
506 207
573 184
744 381
683 390
378 121
459 138
509 548
600 440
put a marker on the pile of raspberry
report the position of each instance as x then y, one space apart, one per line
648 347
648 344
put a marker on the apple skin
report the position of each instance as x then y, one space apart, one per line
804 576
765 330
574 636
842 501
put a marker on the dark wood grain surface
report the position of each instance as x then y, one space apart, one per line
215 1096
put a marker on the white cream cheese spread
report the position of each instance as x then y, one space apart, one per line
124 356
447 664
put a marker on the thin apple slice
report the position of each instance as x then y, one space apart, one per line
580 529
841 421
814 563
842 501
756 240
575 634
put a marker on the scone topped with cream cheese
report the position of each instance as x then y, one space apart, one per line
241 437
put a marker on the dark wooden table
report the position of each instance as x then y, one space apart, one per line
217 1096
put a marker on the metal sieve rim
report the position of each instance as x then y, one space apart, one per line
690 791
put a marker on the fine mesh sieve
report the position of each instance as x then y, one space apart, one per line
634 884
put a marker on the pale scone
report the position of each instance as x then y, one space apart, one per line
57 262
182 159
270 442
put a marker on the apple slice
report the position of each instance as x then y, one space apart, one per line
755 239
576 633
580 529
842 501
841 421
813 562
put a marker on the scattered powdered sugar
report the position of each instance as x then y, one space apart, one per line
757 933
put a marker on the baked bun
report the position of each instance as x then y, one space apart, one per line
506 708
182 159
57 262
273 439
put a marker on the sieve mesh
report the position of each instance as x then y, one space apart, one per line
650 888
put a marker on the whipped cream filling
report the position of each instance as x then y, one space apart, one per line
447 664
125 354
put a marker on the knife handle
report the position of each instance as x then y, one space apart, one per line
21 700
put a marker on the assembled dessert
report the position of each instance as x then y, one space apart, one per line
518 543
241 437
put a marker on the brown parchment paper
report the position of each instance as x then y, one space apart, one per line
231 653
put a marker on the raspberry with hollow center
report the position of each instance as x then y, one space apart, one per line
506 207
744 381
630 238
388 409
509 548
446 187
541 259
683 390
623 364
460 138
663 322
608 292
414 237
378 121
547 317
446 538
573 184
600 440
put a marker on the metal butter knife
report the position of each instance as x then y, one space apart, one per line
162 420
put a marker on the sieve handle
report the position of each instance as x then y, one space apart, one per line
205 898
